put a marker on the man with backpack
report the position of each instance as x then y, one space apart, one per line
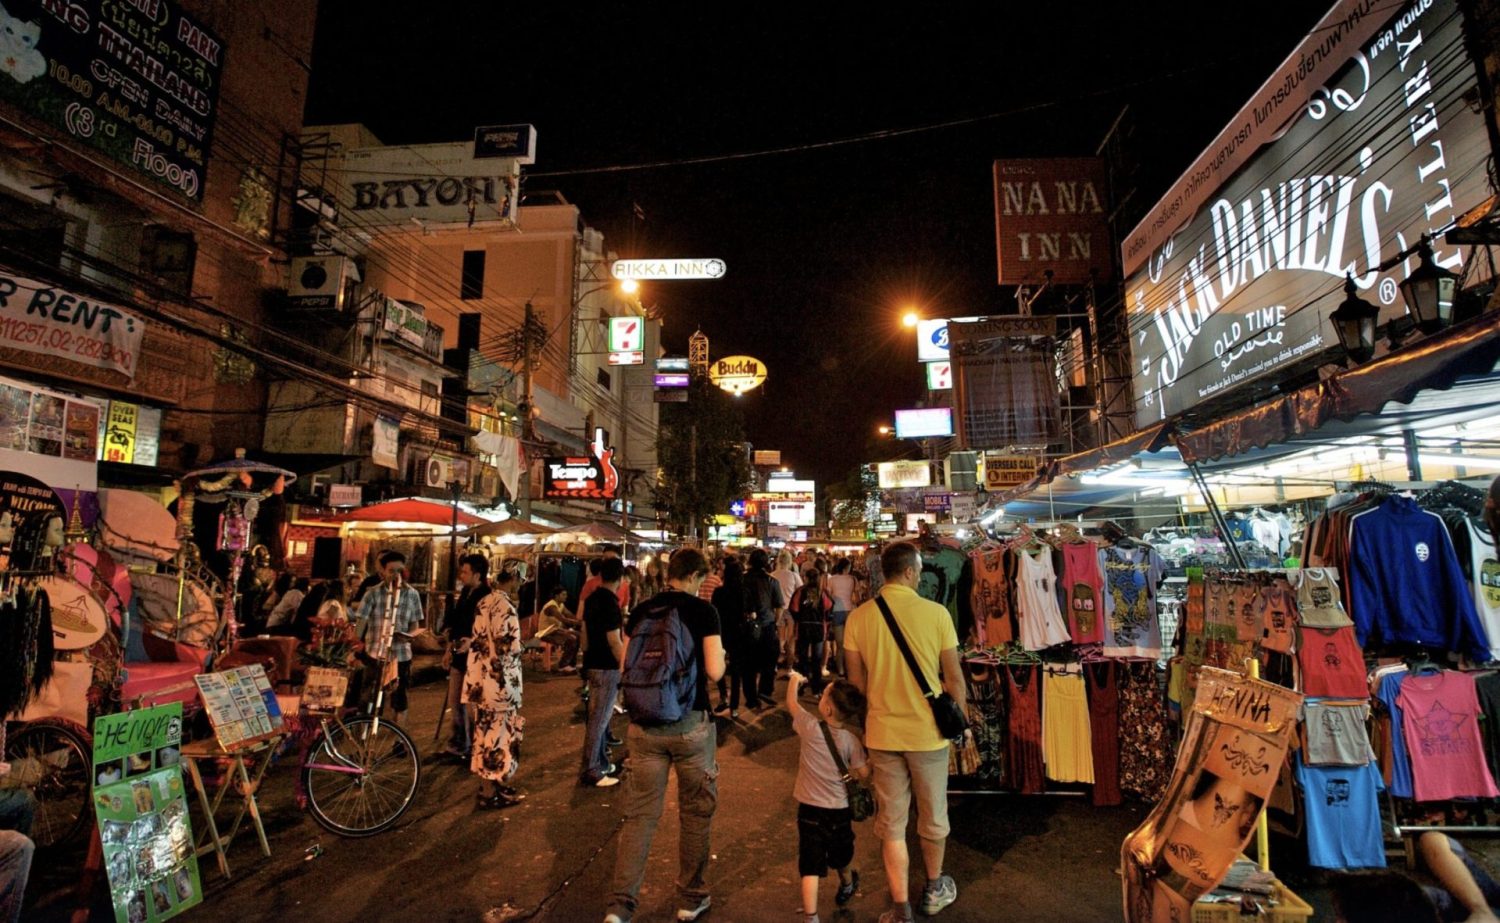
675 651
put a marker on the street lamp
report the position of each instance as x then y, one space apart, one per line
630 286
1429 291
911 318
1354 322
883 430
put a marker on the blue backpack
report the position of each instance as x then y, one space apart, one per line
660 679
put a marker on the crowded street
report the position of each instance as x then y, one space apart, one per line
549 858
719 464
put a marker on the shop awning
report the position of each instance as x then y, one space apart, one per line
410 511
1147 440
1437 363
508 527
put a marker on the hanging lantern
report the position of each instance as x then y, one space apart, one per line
1354 322
1429 292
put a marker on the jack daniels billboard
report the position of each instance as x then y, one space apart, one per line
1384 152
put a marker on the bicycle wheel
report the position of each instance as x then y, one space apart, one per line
51 758
359 780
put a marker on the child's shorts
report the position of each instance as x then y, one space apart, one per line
825 839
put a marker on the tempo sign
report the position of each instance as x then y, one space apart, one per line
668 269
737 374
898 474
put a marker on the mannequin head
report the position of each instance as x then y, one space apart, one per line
54 535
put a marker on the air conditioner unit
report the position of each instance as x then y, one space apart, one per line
436 472
320 283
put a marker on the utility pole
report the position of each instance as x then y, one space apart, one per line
693 468
625 480
528 408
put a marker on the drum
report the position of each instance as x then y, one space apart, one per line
78 619
135 528
198 623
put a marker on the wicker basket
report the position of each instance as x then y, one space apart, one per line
1289 909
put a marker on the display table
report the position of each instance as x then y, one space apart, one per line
248 761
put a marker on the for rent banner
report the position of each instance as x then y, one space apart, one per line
50 321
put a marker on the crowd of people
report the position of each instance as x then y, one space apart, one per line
656 644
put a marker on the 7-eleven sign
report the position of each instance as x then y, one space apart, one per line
627 334
940 376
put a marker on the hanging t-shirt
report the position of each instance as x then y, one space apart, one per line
1389 695
1083 592
990 598
1319 602
1343 816
1440 715
1247 620
1131 576
1336 734
1332 663
1276 609
1041 621
1486 582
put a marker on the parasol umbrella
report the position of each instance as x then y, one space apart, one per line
225 471
410 511
597 532
508 527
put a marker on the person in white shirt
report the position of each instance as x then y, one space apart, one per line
791 581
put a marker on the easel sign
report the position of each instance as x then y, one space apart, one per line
143 814
241 704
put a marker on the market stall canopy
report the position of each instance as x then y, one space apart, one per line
409 511
1437 363
508 527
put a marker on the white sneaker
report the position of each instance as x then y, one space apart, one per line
687 914
606 782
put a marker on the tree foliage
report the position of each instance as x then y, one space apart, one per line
701 450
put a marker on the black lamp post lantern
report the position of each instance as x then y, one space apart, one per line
1354 322
1429 292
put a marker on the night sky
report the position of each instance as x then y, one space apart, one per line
824 246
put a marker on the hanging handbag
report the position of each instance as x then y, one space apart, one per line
950 719
861 798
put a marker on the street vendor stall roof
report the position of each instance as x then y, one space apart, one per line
411 511
1447 380
507 527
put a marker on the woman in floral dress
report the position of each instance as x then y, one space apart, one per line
492 690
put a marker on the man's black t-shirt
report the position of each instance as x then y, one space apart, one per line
460 624
764 597
702 621
601 615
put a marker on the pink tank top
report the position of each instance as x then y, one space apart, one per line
1440 716
1083 588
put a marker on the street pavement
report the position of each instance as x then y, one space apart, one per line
1015 858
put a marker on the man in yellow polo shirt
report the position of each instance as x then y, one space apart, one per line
907 753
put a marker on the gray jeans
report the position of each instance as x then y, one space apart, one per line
16 851
691 746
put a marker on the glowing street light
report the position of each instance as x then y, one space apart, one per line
910 318
630 286
884 430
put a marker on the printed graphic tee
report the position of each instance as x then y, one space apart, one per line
1440 715
1319 604
1131 576
1332 663
1486 579
1276 611
1083 592
1336 734
1041 621
1343 816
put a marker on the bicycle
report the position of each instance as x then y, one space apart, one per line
52 757
360 774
